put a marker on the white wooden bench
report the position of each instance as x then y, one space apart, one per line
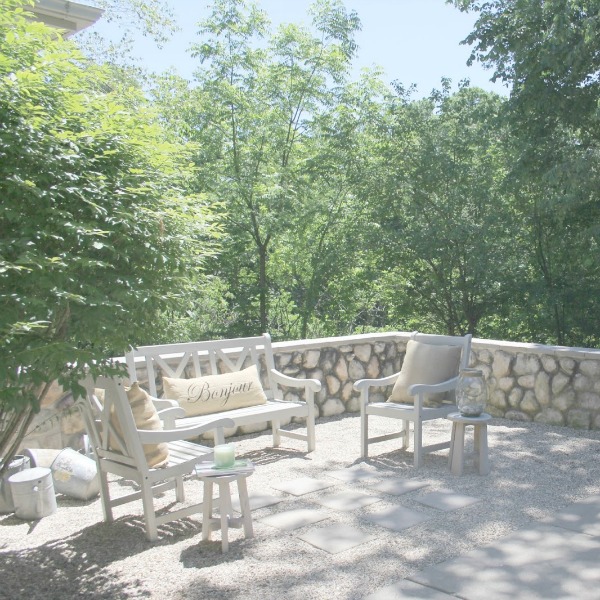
197 359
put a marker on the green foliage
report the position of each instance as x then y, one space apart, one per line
153 17
97 231
547 52
258 97
447 220
339 206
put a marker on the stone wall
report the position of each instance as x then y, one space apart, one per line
337 363
526 382
546 384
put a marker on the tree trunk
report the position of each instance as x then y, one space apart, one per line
262 288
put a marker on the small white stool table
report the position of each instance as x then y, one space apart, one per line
225 518
457 444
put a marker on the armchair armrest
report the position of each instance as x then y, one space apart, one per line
312 384
420 389
182 433
437 388
364 384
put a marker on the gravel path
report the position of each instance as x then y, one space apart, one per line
536 471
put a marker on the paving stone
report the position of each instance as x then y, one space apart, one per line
303 485
336 538
356 474
583 516
347 500
257 501
397 487
293 519
407 589
541 562
446 500
396 518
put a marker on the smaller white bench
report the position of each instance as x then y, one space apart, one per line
197 359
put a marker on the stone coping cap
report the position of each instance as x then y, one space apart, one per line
539 349
401 336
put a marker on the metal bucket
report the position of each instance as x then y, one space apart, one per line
17 464
33 493
41 457
75 475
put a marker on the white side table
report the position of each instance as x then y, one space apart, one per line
456 459
225 518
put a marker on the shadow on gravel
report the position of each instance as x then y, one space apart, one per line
78 565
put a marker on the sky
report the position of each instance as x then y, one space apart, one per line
414 41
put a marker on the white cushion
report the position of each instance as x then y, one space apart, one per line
216 393
428 364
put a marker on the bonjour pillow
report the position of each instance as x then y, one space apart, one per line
145 417
216 393
425 363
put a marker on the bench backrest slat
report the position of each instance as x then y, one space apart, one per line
196 359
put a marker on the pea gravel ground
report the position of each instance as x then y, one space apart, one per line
537 470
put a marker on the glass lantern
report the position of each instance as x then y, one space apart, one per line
471 392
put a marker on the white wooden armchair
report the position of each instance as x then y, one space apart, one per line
125 449
430 370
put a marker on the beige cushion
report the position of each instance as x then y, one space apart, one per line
216 393
425 363
145 417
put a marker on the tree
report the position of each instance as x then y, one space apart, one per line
447 220
256 102
547 53
325 259
97 230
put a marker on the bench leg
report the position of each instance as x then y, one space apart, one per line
275 425
405 431
310 430
179 491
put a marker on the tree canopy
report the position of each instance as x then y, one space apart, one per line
274 193
98 229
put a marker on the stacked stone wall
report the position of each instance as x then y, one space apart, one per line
337 364
557 386
526 382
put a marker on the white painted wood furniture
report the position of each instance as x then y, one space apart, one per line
226 518
195 359
122 453
416 413
456 460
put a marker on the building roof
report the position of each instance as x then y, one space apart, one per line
70 17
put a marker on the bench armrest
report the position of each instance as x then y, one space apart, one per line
163 403
169 415
183 433
312 384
